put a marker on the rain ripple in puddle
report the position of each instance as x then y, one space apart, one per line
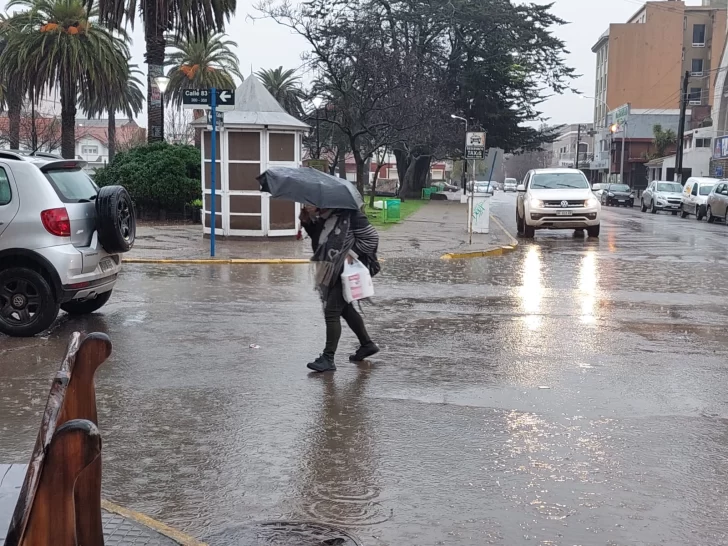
346 503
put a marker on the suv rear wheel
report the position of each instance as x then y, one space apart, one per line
115 219
88 306
27 304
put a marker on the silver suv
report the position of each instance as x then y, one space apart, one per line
60 240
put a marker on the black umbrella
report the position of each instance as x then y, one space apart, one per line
310 186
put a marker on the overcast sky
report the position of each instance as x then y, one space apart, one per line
264 44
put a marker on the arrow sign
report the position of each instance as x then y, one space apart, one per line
225 99
201 99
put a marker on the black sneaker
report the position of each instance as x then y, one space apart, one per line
364 352
323 363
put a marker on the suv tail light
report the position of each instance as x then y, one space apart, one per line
56 222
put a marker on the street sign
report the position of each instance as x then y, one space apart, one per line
200 99
475 146
220 118
621 115
195 99
225 99
718 171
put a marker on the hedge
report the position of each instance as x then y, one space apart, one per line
158 176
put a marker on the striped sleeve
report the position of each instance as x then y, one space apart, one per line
366 238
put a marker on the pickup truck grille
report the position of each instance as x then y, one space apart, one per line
557 204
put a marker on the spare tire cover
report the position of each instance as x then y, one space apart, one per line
115 219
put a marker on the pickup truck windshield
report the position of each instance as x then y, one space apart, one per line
559 181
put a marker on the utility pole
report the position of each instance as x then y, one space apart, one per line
681 129
578 142
621 157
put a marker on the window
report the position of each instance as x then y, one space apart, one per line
90 150
695 95
698 35
559 181
695 189
702 142
72 185
5 194
669 187
724 191
706 189
697 68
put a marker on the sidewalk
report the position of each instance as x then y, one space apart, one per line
438 228
185 242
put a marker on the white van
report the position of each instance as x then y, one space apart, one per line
695 196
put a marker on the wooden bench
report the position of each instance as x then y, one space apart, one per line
59 503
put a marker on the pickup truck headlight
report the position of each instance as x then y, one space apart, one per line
591 202
536 203
610 194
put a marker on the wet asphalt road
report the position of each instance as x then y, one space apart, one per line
570 393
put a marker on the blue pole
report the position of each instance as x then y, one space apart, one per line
213 169
492 168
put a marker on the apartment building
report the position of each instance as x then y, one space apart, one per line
641 63
563 149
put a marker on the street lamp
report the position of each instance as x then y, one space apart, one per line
465 161
316 101
162 83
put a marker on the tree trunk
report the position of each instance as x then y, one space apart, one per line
68 120
334 163
360 175
374 185
342 166
415 178
112 135
197 114
15 107
155 43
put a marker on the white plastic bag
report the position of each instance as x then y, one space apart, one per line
356 281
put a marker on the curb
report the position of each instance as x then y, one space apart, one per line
499 251
179 537
216 261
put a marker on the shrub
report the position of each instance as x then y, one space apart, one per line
157 176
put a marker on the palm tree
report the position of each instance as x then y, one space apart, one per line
285 86
201 64
11 91
58 43
129 100
185 18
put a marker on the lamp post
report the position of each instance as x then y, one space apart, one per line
162 83
465 161
316 101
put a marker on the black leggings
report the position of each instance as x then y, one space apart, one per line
336 307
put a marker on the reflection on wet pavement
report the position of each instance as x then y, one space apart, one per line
571 392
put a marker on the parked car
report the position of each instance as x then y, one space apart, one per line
695 196
510 184
717 203
484 187
61 240
557 199
662 195
620 195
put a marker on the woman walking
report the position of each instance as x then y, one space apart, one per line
334 233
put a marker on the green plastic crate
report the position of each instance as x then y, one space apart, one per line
392 210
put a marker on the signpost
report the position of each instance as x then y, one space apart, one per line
215 100
475 146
